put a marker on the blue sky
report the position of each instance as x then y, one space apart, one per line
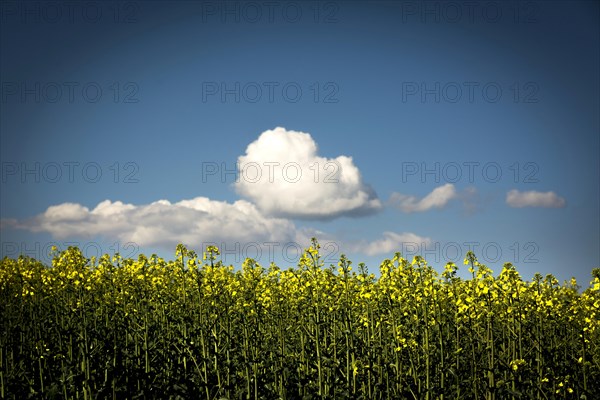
448 126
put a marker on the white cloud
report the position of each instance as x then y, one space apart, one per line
194 221
284 176
197 222
391 243
66 212
438 198
515 198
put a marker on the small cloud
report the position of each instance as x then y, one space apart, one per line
66 212
472 200
517 199
438 198
391 243
283 174
8 223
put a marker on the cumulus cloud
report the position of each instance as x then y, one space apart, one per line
532 198
438 198
392 242
196 222
283 174
473 201
163 223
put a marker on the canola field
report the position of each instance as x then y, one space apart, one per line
114 328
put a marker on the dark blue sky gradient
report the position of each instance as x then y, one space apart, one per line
371 52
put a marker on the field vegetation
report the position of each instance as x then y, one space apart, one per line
114 328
